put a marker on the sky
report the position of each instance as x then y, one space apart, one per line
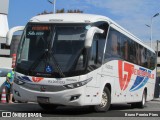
130 14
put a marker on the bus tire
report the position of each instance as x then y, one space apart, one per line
142 103
48 107
105 102
22 101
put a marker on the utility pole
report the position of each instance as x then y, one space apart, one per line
151 25
54 5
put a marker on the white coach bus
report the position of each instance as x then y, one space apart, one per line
82 60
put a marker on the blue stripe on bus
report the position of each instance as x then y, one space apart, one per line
24 78
139 82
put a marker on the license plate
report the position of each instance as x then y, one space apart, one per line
42 99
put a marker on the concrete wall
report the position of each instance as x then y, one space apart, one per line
4 4
3 26
5 62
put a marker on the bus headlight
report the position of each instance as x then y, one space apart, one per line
78 84
19 82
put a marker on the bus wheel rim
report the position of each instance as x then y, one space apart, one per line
104 100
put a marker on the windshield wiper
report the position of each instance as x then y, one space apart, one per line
56 64
51 53
47 54
38 60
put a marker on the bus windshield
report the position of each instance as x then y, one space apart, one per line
52 50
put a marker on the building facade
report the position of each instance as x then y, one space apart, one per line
4 5
156 46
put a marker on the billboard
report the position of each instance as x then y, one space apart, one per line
4 4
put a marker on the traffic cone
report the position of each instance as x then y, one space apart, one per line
3 97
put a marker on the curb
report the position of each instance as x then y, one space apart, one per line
156 99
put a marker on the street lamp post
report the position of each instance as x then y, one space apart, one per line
151 25
151 28
54 5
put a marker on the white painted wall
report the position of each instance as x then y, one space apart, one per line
5 62
4 5
3 25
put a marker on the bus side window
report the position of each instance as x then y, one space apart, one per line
104 26
101 40
132 51
138 54
153 61
108 47
113 46
123 47
93 54
149 59
101 44
126 50
143 57
97 49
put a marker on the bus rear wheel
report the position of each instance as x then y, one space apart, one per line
142 103
105 102
48 107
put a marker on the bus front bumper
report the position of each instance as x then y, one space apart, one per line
73 97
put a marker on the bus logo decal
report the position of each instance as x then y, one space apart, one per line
143 73
43 88
37 79
140 81
125 74
126 71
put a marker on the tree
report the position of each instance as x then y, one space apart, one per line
62 11
74 11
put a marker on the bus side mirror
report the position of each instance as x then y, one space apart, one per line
11 32
90 34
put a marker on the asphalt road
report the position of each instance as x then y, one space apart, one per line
152 107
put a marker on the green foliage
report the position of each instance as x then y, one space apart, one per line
61 11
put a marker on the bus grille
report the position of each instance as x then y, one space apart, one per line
43 88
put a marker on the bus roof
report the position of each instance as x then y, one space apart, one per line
82 18
68 18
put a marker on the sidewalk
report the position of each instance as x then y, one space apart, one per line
156 99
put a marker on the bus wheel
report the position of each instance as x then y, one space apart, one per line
142 103
48 107
105 102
